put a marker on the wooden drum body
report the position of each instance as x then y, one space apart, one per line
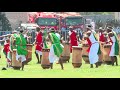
45 64
76 56
66 52
29 55
85 53
106 57
15 64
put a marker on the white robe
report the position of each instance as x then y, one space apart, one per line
112 52
52 56
20 57
93 56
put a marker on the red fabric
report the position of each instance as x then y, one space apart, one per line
89 43
73 40
39 41
6 48
102 38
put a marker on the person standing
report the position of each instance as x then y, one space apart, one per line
56 49
6 51
21 45
101 35
39 45
94 49
114 51
73 38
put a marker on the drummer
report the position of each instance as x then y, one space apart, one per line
73 38
21 45
105 36
6 51
56 49
101 35
39 45
93 50
114 51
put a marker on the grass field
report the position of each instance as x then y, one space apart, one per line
34 70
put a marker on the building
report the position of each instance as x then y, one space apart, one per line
16 18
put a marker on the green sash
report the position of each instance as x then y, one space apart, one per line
56 45
21 45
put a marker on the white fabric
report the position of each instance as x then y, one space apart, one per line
21 57
112 52
93 56
69 33
58 35
93 25
52 56
38 52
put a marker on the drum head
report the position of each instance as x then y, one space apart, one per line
76 47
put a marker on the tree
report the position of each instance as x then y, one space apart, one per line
96 13
6 26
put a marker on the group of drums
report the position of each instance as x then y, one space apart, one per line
78 54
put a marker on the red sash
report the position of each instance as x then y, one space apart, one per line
89 43
39 44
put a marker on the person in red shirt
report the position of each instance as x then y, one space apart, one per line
101 35
6 51
73 38
39 45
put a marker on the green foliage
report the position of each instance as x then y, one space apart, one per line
6 26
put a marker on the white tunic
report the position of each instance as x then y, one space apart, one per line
112 52
93 56
52 56
20 57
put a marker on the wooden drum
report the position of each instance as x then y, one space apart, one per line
66 52
29 55
15 64
76 56
85 53
106 57
45 64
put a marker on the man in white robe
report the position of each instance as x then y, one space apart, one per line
93 50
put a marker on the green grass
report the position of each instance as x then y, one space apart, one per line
34 70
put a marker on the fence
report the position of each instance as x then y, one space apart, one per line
31 33
96 18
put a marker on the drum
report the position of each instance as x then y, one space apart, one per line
76 56
85 53
45 64
29 55
66 52
106 57
15 64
